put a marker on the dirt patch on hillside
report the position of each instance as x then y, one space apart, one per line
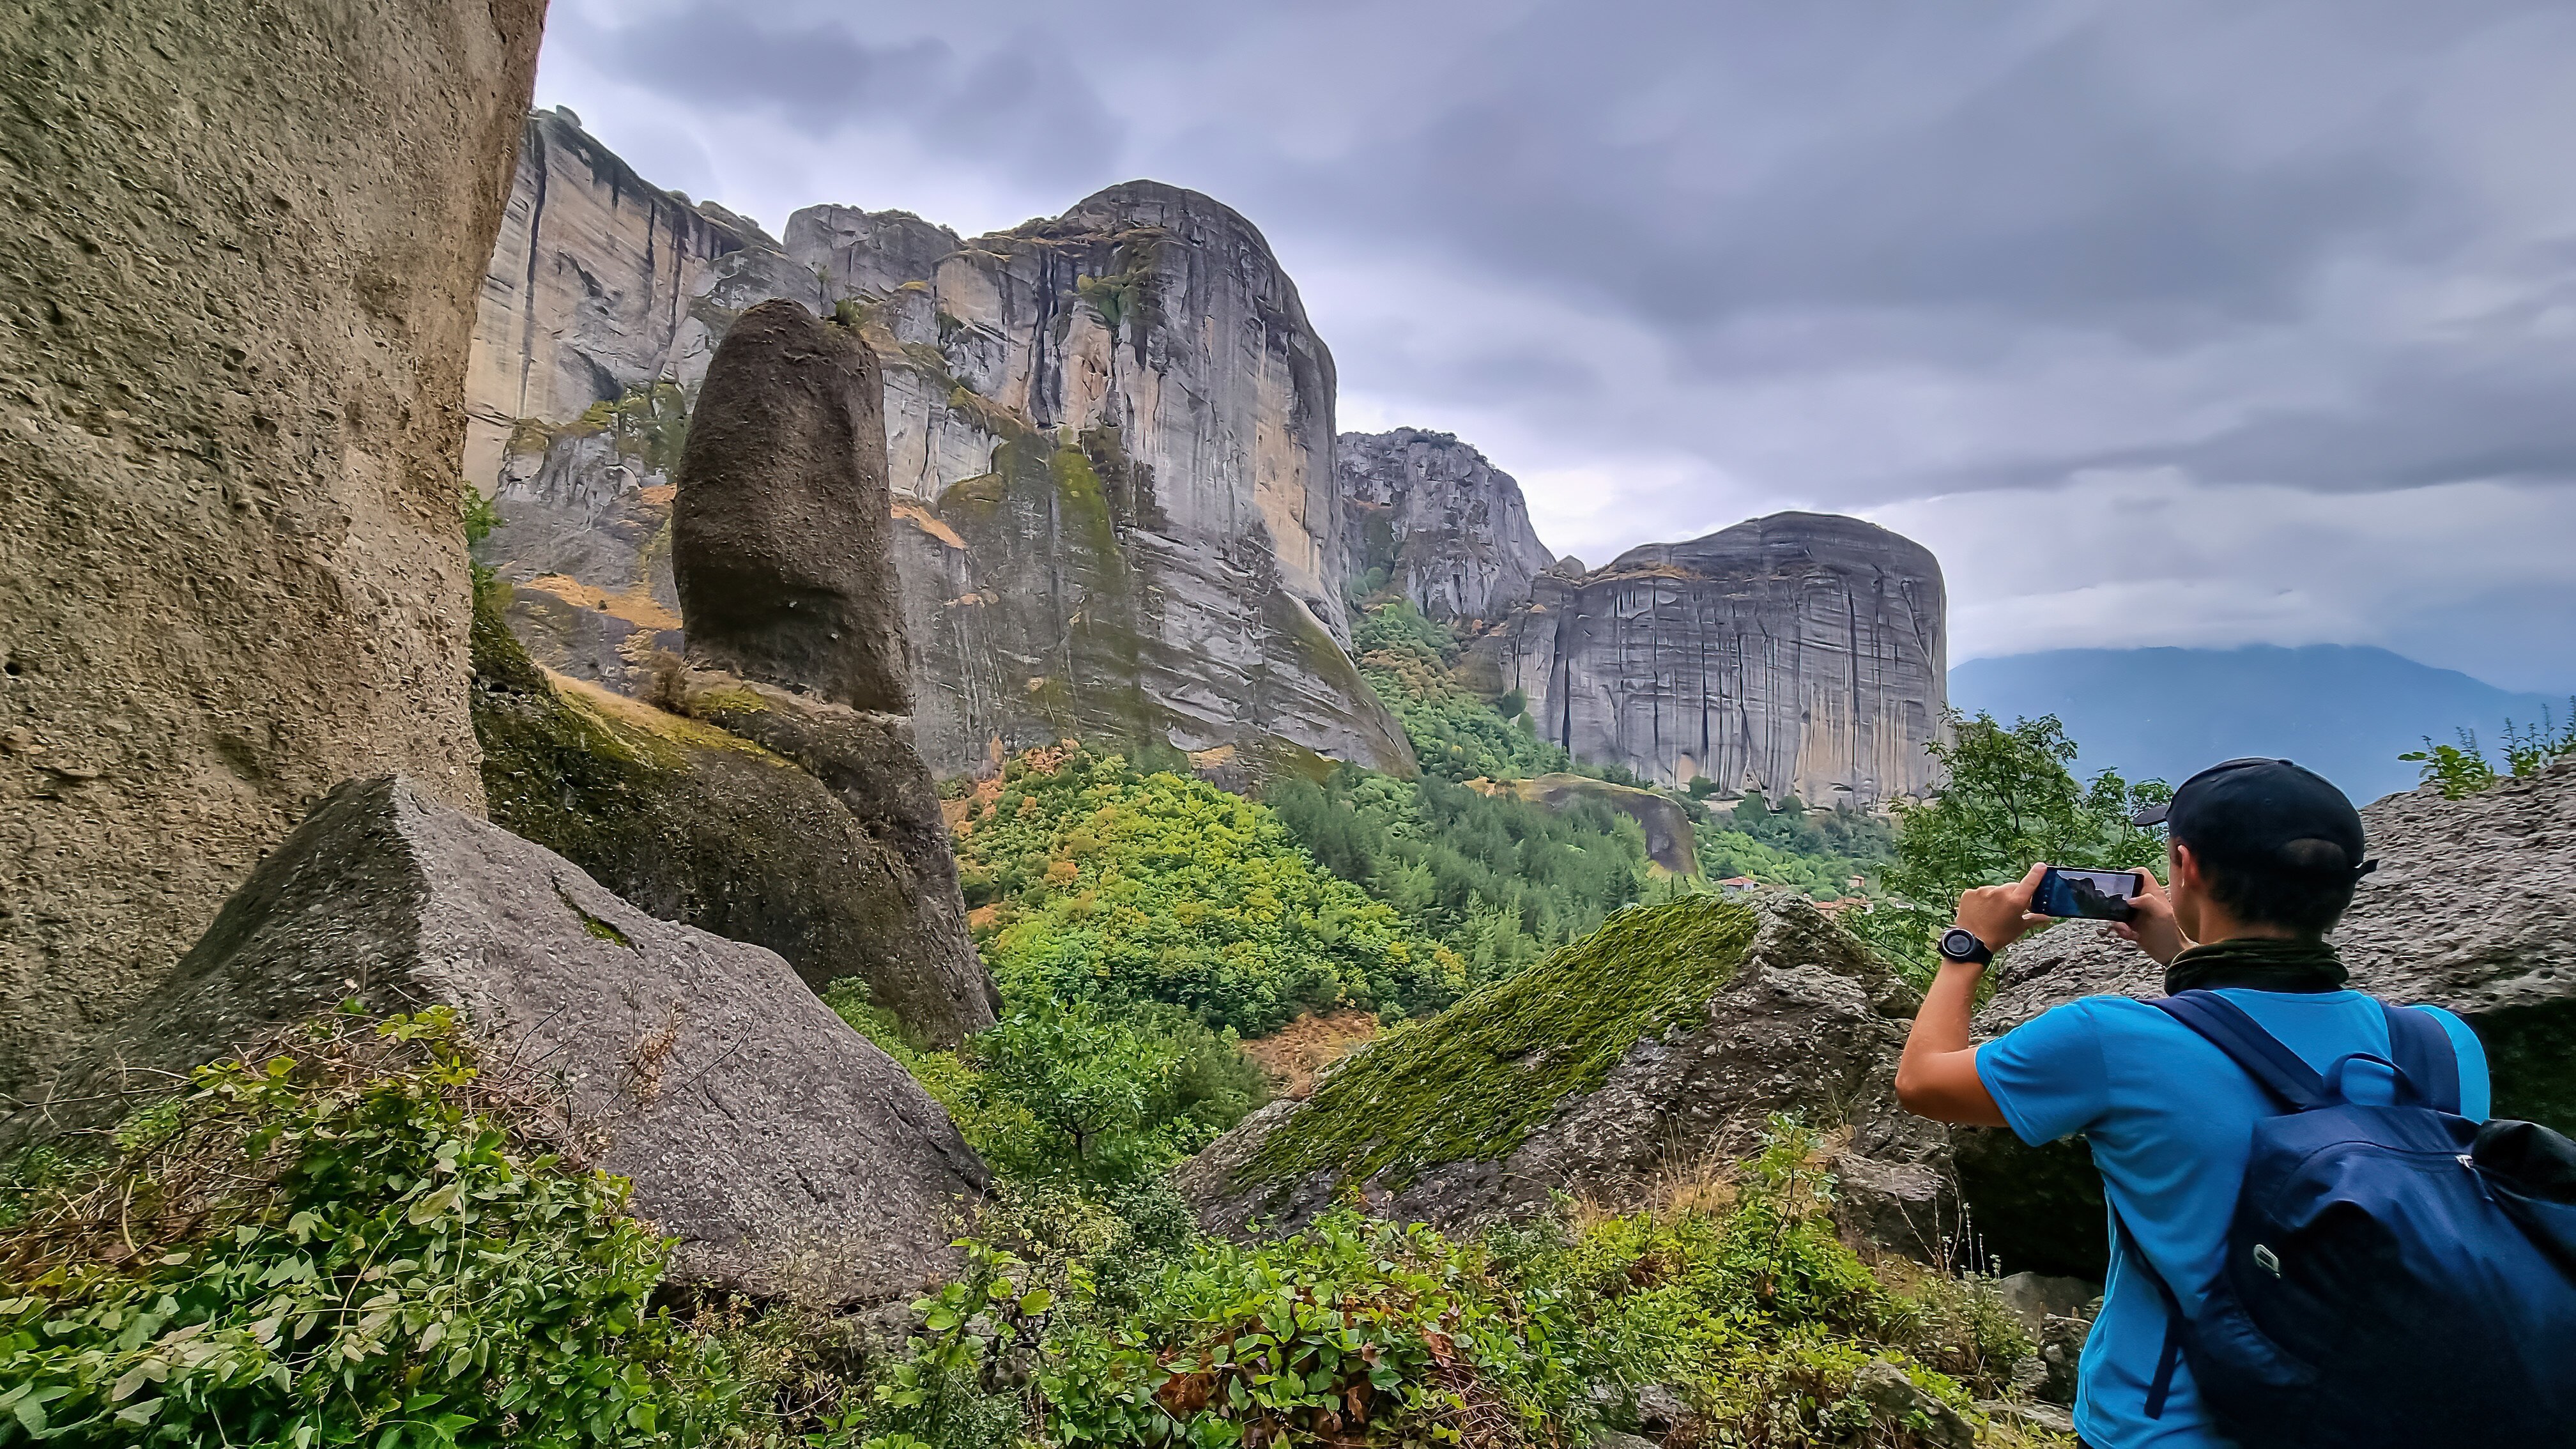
1293 1054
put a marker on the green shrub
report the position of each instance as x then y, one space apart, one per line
2010 801
349 1237
1106 1096
1107 885
2461 769
1500 880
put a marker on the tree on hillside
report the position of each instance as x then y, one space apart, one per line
2011 801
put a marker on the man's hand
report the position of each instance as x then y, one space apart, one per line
1999 915
2151 922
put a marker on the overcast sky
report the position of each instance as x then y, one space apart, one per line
2161 323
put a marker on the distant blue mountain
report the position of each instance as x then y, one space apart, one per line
2345 712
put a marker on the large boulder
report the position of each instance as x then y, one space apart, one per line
785 1152
779 534
2470 909
245 242
698 825
795 627
1666 1040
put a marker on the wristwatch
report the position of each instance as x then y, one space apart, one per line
1961 944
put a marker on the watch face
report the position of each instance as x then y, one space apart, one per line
1959 944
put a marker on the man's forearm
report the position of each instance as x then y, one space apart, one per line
1942 1024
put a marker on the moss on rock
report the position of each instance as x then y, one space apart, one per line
1475 1082
693 823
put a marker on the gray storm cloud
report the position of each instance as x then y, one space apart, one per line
2302 274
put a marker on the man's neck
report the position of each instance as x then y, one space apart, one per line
2217 925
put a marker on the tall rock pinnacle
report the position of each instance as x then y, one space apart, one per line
1450 530
1800 654
778 535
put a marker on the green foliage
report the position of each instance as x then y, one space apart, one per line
1501 881
1747 1298
1106 885
2010 801
1406 659
1474 1082
1784 847
349 1238
1358 1332
2462 769
479 515
648 422
1349 1332
1079 1091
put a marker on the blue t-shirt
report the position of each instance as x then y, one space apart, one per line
2171 1120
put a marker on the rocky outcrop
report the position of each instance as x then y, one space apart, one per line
599 286
701 826
240 285
1800 654
778 532
1429 519
1109 442
778 1146
1663 1042
2468 910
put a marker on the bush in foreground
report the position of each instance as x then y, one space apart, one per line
348 1237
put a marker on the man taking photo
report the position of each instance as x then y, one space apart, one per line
2262 861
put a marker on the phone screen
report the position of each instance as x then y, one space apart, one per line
2094 895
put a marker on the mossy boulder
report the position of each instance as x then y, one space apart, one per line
696 824
1665 1040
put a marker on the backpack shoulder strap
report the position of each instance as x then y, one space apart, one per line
2224 1025
2423 1051
2177 1327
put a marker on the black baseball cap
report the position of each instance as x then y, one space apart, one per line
2256 813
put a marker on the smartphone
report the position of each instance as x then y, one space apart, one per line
2093 895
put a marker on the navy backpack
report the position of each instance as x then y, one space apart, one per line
2395 1275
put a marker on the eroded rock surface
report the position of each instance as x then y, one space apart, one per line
782 1149
1109 442
702 826
1450 530
2468 910
240 278
1800 654
778 532
1803 1020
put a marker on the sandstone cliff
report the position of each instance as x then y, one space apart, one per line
1800 654
232 368
1448 530
1110 444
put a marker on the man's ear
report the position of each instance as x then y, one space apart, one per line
2181 868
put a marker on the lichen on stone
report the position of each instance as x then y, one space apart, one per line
1473 1083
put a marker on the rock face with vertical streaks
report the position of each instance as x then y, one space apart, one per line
1799 654
240 278
1450 530
1109 443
